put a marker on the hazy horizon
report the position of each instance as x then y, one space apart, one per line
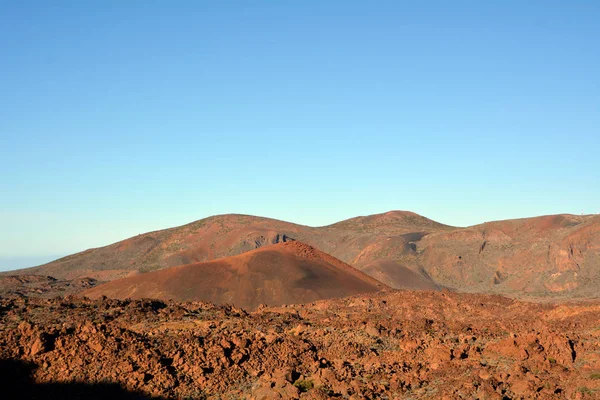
12 263
126 117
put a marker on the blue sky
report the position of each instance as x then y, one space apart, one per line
122 117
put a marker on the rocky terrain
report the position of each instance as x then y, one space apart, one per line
547 257
387 345
284 273
42 286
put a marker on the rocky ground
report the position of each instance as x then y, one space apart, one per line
389 345
42 286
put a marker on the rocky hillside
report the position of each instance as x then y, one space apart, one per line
550 256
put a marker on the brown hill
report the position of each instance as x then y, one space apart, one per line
556 256
228 235
285 273
392 222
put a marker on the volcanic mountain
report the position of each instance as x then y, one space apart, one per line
284 273
357 241
548 256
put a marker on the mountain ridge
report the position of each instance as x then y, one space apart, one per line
549 255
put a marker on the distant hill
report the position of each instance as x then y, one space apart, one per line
548 256
228 235
284 273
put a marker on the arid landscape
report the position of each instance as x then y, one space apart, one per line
273 200
387 306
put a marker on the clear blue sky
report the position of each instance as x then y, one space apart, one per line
120 117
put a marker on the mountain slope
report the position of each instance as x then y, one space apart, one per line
555 255
548 256
228 235
284 273
399 276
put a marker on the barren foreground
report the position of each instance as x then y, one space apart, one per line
389 345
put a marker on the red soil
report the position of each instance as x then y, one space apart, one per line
284 273
399 276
